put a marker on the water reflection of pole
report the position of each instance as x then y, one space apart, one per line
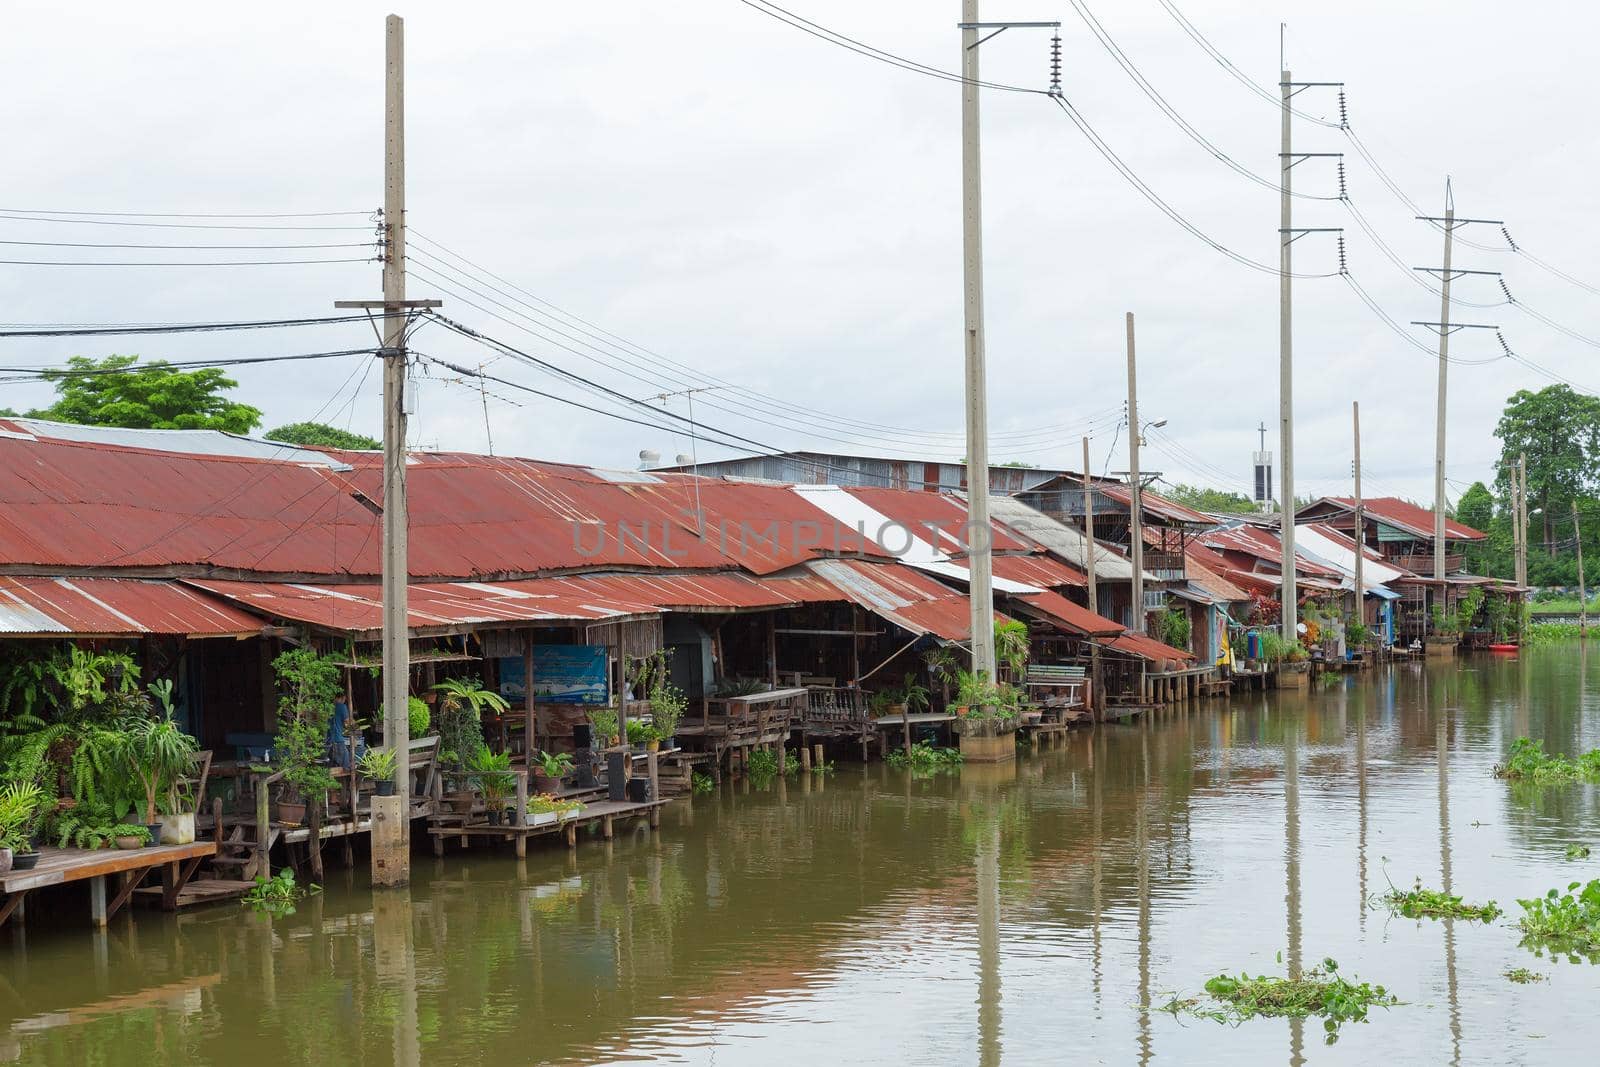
1096 881
395 963
1442 747
1361 813
1291 850
988 871
1141 838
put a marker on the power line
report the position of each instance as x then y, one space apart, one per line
163 263
177 225
862 48
367 213
1127 64
189 248
22 374
678 374
173 328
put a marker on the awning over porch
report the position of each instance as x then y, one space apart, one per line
1055 608
1146 648
116 607
901 595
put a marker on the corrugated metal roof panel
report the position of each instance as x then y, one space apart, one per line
912 601
116 606
1147 648
1038 570
1066 542
1404 515
1157 505
1072 617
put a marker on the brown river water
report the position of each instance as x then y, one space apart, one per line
1011 916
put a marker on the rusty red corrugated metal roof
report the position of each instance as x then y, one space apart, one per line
116 606
1403 515
1264 545
937 518
900 594
1147 648
1156 504
1043 571
1072 617
1211 582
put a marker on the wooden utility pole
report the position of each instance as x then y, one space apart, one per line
391 824
1135 518
979 564
1088 568
1361 589
1583 593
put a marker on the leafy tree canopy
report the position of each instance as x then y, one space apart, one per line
1558 429
1476 507
1201 499
155 396
321 435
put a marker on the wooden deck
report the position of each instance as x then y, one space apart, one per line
57 866
605 813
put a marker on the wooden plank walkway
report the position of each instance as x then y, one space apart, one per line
604 812
57 866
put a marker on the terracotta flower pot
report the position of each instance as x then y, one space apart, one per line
286 812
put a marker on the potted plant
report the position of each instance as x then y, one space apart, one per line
129 836
542 810
551 769
1011 645
942 666
974 693
880 703
20 806
377 766
418 717
461 707
636 734
667 705
156 753
491 773
604 721
652 738
305 709
914 696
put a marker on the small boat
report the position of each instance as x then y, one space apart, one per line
1503 647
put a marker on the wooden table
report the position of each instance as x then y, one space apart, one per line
57 866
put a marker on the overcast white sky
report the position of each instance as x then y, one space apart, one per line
775 212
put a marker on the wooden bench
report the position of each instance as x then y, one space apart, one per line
1057 685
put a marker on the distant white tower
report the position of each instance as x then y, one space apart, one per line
1263 465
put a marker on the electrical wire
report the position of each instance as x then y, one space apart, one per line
862 48
1149 90
172 328
367 213
23 374
677 375
13 216
200 263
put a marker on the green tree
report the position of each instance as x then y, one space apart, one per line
1476 508
321 435
1559 430
156 396
1201 499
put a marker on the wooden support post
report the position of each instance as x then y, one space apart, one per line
97 900
653 772
606 829
772 649
522 801
905 731
531 726
314 839
263 830
805 760
572 835
816 754
391 863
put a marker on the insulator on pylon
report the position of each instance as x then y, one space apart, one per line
1503 344
1503 288
1507 235
1343 267
1344 117
1055 65
1343 193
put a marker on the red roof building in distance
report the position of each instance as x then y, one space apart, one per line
1400 530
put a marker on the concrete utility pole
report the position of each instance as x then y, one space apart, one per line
1290 598
1583 593
1522 519
1513 502
979 563
1446 274
1135 508
1089 567
1361 556
391 825
1288 159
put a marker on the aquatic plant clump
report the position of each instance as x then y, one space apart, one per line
1531 763
701 782
1565 923
1577 852
277 895
924 758
1420 903
1318 992
1523 976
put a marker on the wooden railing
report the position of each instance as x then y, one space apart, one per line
1422 563
835 704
